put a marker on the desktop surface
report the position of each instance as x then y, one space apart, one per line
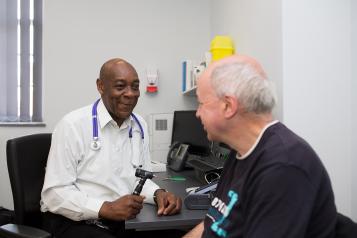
147 219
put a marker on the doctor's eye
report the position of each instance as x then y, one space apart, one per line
135 87
120 87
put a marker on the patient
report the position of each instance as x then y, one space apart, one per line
274 184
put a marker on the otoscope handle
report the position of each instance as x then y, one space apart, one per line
139 187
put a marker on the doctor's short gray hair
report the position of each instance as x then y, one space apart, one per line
251 87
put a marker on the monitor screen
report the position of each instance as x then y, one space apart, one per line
187 128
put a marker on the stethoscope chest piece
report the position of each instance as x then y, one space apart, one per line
95 145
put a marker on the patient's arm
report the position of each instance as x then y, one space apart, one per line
195 232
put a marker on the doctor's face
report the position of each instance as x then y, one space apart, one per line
119 89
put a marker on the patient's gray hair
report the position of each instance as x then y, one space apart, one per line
249 86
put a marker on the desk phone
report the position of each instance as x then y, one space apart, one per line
177 156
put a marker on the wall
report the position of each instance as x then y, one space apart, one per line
317 81
79 36
353 91
158 33
255 27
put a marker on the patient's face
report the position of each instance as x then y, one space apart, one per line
208 110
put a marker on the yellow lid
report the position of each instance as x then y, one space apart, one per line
222 42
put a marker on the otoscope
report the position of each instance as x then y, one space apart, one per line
143 175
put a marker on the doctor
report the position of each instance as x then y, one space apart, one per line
95 151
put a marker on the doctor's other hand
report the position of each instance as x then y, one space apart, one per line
167 203
124 208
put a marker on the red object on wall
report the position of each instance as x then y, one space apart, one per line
151 89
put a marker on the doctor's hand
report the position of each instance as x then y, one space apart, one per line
124 208
167 203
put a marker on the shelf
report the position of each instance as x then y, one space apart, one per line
190 92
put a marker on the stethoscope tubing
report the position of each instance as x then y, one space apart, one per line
95 120
95 123
138 123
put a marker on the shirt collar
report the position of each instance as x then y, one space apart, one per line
105 118
103 115
242 157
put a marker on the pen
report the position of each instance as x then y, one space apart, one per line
175 178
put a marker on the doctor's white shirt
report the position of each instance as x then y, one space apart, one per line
79 179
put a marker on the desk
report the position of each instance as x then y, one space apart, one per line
147 219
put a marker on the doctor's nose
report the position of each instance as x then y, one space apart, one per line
131 91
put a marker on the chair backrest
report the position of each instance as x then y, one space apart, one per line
345 227
26 162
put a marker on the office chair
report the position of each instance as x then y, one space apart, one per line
26 162
345 227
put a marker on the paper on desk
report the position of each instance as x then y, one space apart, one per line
158 166
191 189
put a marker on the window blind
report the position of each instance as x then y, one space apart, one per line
21 61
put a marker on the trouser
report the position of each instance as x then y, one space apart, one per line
62 227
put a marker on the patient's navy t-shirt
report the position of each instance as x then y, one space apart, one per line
281 189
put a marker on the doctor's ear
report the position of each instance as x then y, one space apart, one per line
100 86
230 106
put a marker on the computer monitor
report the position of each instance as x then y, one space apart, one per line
188 129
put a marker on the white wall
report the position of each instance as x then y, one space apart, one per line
79 36
317 81
353 91
255 26
158 33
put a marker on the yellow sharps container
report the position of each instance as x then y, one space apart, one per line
221 46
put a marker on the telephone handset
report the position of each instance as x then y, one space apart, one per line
177 156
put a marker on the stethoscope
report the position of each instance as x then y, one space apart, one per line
96 145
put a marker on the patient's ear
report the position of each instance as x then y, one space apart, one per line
230 106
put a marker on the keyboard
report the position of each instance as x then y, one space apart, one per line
204 163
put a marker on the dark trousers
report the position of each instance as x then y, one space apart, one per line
62 227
